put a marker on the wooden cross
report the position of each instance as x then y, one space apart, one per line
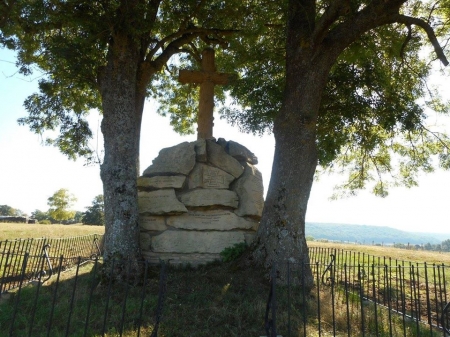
207 77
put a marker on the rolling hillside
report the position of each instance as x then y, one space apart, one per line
368 234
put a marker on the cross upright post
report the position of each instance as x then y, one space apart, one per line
207 77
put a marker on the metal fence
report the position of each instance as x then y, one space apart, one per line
78 306
41 256
353 295
349 298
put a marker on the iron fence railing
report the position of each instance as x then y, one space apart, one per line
88 303
408 299
352 295
41 254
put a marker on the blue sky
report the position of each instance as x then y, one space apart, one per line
30 172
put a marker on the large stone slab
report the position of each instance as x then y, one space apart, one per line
241 153
193 259
158 182
195 241
210 197
249 188
152 222
219 158
205 176
178 159
160 202
219 220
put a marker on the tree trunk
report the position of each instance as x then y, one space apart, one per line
122 115
281 234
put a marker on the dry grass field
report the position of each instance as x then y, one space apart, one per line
11 231
389 252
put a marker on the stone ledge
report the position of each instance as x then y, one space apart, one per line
179 258
180 241
216 220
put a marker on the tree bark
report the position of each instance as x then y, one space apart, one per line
123 103
312 48
281 235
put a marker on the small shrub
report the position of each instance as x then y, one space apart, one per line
45 222
232 253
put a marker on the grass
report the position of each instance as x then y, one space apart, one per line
12 231
221 299
389 252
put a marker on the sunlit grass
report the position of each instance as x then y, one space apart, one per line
389 252
12 231
221 299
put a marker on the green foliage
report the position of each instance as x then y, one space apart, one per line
78 217
445 246
60 204
234 252
68 43
40 215
245 53
9 211
374 109
62 41
95 214
45 222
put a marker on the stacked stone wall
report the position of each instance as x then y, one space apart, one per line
198 198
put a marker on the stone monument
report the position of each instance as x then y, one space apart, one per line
199 198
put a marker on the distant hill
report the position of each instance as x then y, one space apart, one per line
368 234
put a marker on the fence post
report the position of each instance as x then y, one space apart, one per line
50 268
4 273
161 297
361 298
444 319
270 324
16 305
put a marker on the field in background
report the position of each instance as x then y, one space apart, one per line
11 231
389 252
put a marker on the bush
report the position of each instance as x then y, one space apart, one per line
232 253
45 222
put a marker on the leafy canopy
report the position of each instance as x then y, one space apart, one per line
95 214
373 116
67 43
373 119
60 203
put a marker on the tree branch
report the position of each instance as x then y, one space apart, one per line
182 34
407 20
331 14
377 13
405 43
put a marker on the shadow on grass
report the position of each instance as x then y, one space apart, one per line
76 303
219 299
